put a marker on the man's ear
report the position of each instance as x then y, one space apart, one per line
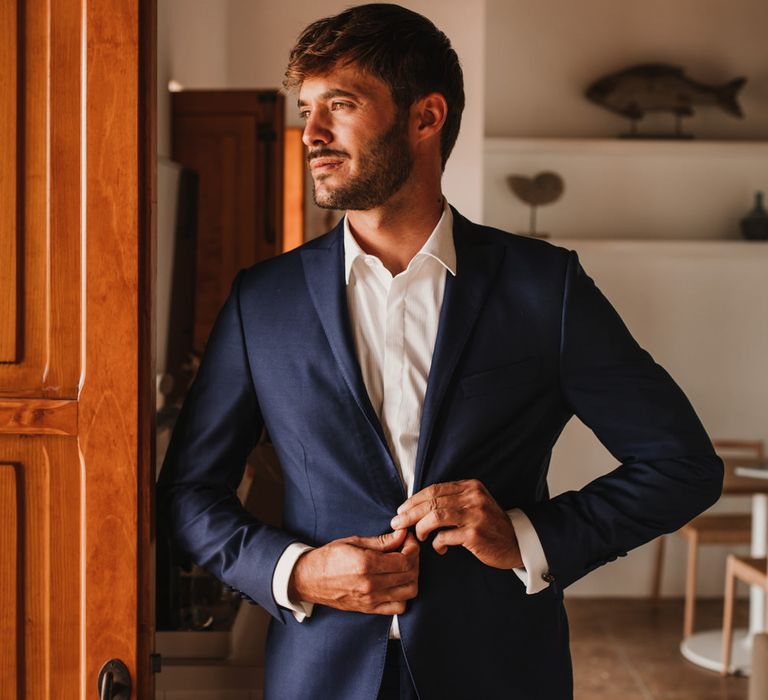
430 112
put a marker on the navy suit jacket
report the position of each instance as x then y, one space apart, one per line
525 341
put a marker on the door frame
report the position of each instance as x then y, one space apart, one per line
147 101
118 388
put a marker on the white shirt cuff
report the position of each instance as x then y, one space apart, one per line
282 576
534 560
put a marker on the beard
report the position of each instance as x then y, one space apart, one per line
383 168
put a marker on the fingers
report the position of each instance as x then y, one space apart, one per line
411 546
389 608
387 542
382 582
451 537
447 505
383 594
383 589
444 511
446 488
377 563
391 601
361 573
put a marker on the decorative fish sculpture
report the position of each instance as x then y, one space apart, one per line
659 87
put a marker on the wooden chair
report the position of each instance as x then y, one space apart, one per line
710 528
752 571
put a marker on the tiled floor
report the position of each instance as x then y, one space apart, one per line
622 650
629 650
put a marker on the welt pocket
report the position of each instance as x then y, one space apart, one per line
504 377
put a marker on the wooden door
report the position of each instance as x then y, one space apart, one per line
76 162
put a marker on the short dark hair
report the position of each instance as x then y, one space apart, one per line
400 47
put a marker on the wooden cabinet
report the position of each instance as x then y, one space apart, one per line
233 139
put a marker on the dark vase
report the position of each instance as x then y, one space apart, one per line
754 226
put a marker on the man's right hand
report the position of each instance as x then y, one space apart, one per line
364 574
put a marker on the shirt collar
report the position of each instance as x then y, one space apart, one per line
439 245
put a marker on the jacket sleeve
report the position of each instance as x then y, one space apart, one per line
669 472
217 428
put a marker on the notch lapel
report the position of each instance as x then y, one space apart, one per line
323 263
477 263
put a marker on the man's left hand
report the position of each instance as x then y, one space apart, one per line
466 515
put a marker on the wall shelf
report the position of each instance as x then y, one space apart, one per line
629 189
618 146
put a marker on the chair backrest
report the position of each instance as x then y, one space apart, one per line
741 453
742 449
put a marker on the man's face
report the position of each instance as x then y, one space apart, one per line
358 148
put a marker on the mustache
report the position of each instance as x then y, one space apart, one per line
325 153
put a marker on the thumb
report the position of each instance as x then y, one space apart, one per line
387 542
410 545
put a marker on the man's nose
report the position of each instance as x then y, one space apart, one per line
316 130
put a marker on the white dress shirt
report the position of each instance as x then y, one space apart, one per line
394 324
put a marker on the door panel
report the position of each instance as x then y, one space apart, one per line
40 201
40 497
76 203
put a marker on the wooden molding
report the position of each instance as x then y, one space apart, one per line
10 590
38 417
9 67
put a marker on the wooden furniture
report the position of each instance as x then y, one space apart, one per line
743 477
233 139
713 528
294 177
752 571
758 681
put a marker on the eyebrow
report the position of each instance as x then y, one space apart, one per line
328 94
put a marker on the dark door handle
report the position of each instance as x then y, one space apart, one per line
114 681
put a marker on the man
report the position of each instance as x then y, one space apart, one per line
414 370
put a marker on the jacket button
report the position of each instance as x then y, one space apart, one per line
548 577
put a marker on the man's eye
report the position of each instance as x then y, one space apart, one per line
304 114
340 105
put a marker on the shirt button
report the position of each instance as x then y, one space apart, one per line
369 262
548 577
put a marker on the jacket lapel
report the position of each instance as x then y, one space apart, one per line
323 262
477 262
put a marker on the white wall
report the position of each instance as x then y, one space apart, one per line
542 54
699 309
192 49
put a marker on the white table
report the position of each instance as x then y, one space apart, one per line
705 649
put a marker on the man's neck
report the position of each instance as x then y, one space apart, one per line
395 232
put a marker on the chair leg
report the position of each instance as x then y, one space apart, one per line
730 580
690 585
658 568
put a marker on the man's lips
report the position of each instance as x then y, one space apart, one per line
325 160
325 163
